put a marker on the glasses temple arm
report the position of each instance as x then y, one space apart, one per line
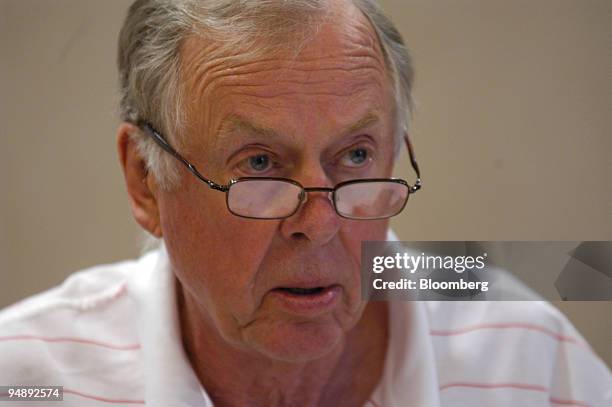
161 141
415 166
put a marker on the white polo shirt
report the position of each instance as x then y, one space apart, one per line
110 336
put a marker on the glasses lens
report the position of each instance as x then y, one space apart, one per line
371 199
263 199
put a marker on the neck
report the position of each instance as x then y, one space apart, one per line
346 376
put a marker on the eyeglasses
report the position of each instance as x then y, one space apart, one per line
280 198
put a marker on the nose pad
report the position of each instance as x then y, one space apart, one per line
303 197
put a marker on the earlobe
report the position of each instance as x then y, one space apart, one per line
141 185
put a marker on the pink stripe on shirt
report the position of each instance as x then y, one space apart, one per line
510 325
83 341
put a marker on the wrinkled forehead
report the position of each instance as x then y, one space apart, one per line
339 27
336 55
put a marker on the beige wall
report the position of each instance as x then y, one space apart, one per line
512 133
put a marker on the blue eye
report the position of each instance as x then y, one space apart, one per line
357 157
259 162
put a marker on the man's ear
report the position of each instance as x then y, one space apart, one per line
141 186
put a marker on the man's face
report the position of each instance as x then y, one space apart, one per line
321 118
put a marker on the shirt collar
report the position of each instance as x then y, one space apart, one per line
169 378
410 375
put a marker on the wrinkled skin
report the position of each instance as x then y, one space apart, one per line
288 118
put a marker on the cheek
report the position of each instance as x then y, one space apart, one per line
215 254
353 232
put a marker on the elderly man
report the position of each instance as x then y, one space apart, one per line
257 142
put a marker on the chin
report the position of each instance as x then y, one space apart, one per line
297 341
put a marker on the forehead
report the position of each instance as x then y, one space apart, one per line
334 78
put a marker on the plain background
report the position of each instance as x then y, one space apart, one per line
512 132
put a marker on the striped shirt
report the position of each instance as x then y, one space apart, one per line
110 336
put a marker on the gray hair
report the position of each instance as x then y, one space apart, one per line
149 57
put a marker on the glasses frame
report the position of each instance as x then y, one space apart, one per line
163 143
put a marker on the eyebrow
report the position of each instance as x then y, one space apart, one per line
235 123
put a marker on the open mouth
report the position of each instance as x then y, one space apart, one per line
301 291
307 301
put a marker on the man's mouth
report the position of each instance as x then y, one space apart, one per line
307 301
301 291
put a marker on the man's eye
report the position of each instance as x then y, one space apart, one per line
259 162
357 157
255 164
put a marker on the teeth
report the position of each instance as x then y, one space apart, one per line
304 291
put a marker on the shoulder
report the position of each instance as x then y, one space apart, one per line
78 332
521 346
82 290
87 292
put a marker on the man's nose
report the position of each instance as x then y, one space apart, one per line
316 220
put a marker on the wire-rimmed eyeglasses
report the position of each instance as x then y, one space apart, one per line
280 198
